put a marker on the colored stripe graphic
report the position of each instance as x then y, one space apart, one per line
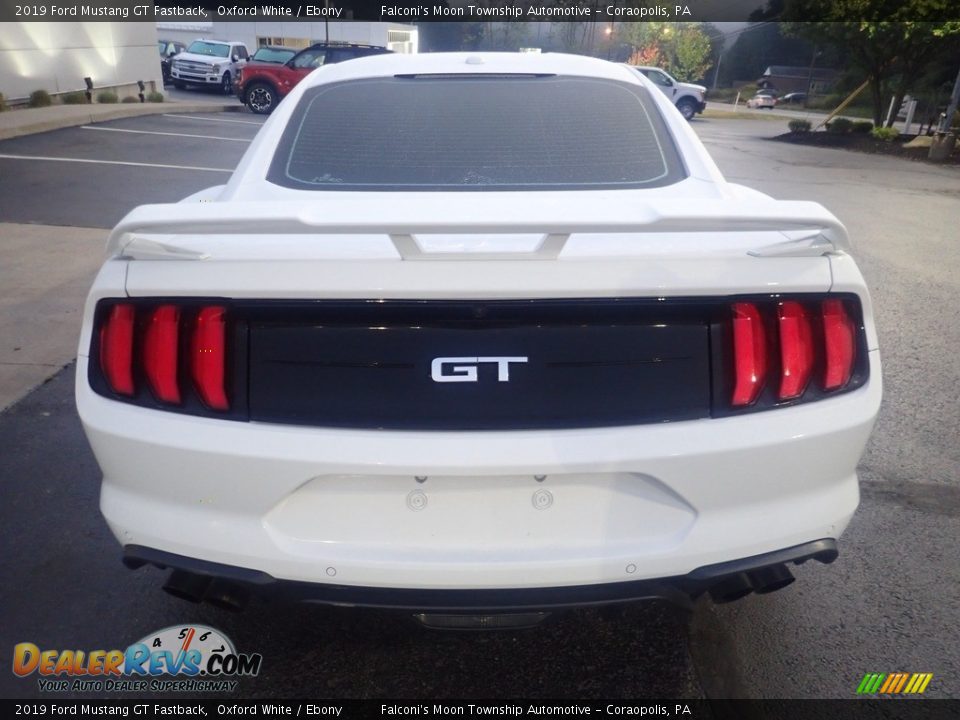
894 683
918 683
892 680
903 681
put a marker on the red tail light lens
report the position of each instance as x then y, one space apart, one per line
796 350
116 348
839 336
749 354
160 346
208 357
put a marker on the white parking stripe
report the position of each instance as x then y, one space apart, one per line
193 117
4 156
155 132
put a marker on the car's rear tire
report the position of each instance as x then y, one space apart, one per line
687 108
261 98
226 84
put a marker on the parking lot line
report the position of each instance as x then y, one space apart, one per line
193 117
157 132
4 156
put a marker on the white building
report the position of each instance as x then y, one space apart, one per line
394 36
57 56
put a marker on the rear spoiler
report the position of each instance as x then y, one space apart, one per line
808 228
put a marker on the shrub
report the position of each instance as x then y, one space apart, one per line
155 96
840 125
130 99
74 98
862 127
40 98
107 96
885 133
799 126
3 103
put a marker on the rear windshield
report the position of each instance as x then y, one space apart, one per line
476 133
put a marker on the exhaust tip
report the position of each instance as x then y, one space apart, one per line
731 588
186 586
770 579
227 595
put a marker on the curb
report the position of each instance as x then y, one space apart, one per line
113 113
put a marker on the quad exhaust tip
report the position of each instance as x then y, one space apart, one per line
202 588
761 581
770 579
187 586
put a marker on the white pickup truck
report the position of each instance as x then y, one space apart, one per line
470 334
687 97
209 63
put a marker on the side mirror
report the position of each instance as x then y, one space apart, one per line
235 58
171 53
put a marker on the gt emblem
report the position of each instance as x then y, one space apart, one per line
464 369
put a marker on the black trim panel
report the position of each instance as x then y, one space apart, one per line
674 589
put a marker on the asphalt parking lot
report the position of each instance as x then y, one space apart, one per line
91 176
888 604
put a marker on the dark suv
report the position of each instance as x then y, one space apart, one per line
260 86
168 48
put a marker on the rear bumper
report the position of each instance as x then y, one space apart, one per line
733 575
479 511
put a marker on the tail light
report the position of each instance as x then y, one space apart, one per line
116 348
208 357
839 336
796 349
160 346
795 341
141 349
749 354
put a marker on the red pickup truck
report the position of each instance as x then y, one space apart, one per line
261 85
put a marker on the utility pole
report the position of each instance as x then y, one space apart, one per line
951 108
813 59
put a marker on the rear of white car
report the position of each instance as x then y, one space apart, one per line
439 346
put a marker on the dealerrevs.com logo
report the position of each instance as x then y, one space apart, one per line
181 658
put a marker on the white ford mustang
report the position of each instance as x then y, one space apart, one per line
469 334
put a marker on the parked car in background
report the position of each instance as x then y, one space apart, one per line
688 98
273 54
452 341
262 86
168 49
210 63
763 99
794 98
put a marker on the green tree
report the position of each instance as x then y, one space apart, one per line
760 45
682 49
896 50
449 36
